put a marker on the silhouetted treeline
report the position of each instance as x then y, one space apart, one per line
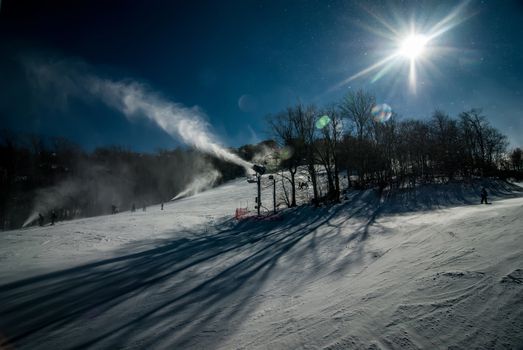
388 152
39 175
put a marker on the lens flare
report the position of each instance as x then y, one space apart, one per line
286 153
322 122
381 113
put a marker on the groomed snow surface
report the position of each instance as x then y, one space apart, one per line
422 269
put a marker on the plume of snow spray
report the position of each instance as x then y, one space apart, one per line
133 99
63 79
200 183
48 198
32 218
181 122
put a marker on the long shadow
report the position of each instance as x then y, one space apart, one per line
185 286
439 196
174 295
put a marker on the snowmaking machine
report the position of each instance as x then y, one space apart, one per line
260 170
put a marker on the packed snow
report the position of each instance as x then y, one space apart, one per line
428 268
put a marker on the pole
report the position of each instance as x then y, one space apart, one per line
258 176
273 192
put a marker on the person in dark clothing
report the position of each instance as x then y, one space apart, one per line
484 196
162 207
40 219
133 208
53 217
114 210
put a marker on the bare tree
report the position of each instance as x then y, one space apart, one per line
446 149
304 119
516 159
484 144
283 126
356 108
328 150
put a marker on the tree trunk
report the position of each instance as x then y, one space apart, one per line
293 187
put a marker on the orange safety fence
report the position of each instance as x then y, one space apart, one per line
241 213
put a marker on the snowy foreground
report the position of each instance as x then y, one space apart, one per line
426 269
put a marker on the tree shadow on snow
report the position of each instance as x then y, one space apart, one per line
439 196
195 289
183 293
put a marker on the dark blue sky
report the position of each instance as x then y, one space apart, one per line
211 53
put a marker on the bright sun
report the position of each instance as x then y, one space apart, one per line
413 46
409 48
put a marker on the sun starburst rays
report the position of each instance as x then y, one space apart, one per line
414 45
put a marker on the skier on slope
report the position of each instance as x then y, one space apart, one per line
484 196
53 217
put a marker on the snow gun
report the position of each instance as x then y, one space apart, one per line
260 169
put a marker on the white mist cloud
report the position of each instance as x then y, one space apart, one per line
59 81
187 124
200 183
134 100
47 199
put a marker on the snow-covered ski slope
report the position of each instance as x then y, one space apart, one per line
424 269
